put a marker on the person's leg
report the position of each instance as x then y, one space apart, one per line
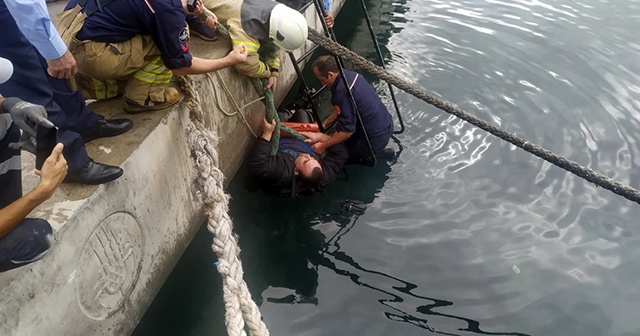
26 243
79 118
137 62
359 152
196 27
30 83
302 116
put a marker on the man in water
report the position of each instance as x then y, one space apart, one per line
296 167
375 116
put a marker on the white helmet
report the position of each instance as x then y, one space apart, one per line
6 70
287 28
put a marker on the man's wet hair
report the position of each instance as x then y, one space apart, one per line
326 64
314 179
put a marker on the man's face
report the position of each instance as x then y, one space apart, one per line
305 164
325 80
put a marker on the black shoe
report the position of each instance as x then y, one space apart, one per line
107 128
198 28
94 173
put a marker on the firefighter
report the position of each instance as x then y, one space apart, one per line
255 23
132 48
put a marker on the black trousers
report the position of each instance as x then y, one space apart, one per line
30 82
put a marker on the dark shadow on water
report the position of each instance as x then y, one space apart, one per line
282 247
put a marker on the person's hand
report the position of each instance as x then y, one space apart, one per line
328 19
26 115
211 20
199 9
267 127
319 147
53 172
26 143
313 137
63 67
271 82
239 54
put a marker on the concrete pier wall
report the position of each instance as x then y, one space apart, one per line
116 244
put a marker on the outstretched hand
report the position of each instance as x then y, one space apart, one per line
314 137
239 54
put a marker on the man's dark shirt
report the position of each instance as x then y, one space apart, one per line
276 173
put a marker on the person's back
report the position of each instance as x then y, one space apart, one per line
375 115
123 19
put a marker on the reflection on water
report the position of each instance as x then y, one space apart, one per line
463 234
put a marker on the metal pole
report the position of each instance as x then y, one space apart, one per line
377 47
329 31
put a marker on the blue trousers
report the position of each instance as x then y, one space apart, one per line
30 82
31 238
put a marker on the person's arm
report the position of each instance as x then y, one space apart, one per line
331 118
203 65
346 126
32 18
333 162
262 164
53 172
328 16
313 137
337 138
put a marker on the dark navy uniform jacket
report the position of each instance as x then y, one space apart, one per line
375 116
120 20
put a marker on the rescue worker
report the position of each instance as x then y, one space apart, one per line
132 48
295 168
23 240
255 23
375 116
42 63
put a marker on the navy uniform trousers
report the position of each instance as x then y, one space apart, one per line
30 239
30 82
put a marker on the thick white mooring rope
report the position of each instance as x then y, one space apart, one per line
239 306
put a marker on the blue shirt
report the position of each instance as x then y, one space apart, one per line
32 18
295 147
121 20
375 116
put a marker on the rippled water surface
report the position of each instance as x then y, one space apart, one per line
464 234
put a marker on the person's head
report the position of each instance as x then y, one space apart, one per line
309 170
287 28
326 70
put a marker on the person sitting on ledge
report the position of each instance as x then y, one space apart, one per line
295 168
23 240
256 23
132 48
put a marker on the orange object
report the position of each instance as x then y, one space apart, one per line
300 127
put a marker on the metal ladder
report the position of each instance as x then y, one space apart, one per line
312 94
